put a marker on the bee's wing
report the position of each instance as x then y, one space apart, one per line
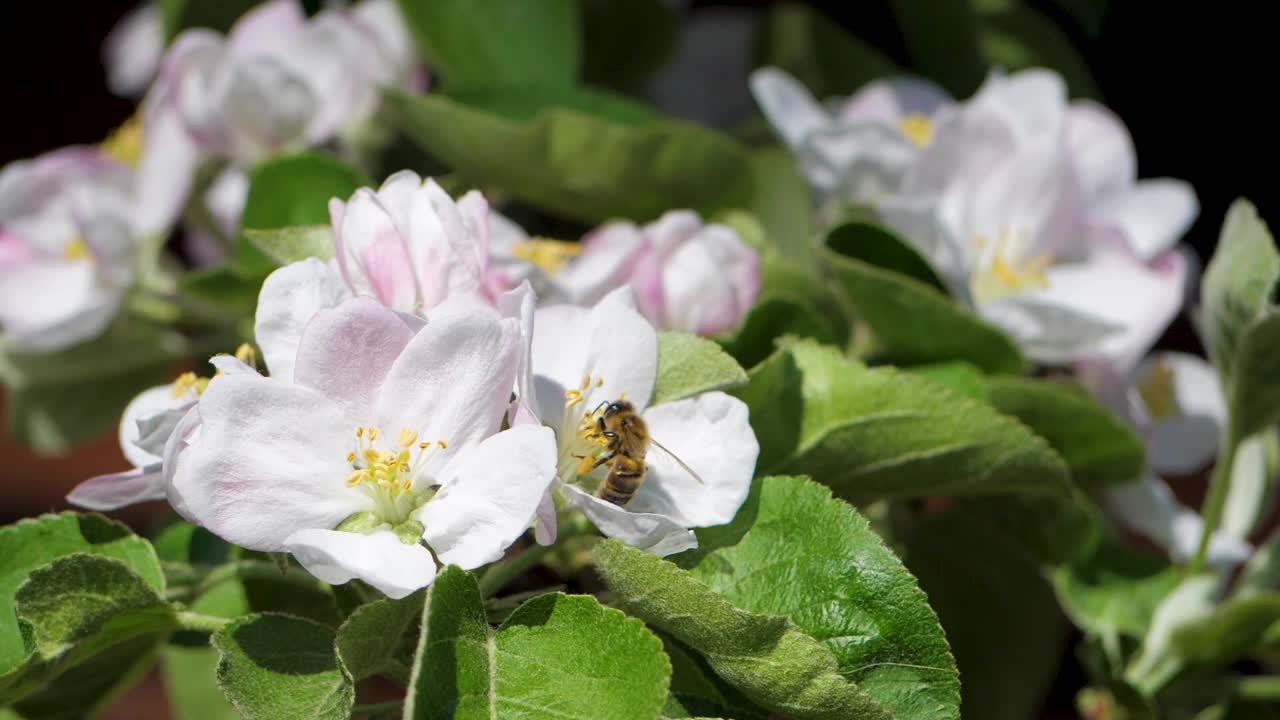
680 462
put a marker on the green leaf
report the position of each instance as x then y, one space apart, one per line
291 244
280 667
58 399
179 15
558 655
648 29
783 204
697 691
92 686
1238 282
584 155
688 365
903 304
286 192
498 43
368 640
791 302
1001 617
818 52
960 376
845 588
1255 382
872 433
1099 449
191 684
1014 36
1114 590
942 40
34 542
1235 628
771 661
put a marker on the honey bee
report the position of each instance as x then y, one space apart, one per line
626 439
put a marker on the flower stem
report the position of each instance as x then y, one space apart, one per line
1266 687
1219 488
197 621
508 569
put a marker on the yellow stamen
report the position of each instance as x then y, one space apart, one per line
407 437
124 144
351 457
443 445
359 431
1156 388
75 250
916 128
373 434
550 256
246 354
187 382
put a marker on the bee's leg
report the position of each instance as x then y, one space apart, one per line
603 459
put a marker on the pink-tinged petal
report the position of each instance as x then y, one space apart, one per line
653 533
48 306
544 527
290 297
1187 439
711 435
788 105
14 252
710 282
373 255
453 381
1032 196
1151 217
671 231
475 216
133 50
383 20
1101 150
378 558
887 101
608 259
262 106
269 459
1139 301
266 26
346 352
611 344
104 493
490 496
519 304
332 55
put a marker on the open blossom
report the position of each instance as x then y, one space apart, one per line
1175 404
687 275
68 227
148 421
380 455
996 204
582 359
408 245
279 79
860 149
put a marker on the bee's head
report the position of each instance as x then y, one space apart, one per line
618 406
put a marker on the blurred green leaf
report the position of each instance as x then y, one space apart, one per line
1235 628
179 15
942 40
626 41
280 667
792 302
1014 36
291 244
818 52
558 655
871 433
895 292
583 155
783 205
497 43
191 684
1238 283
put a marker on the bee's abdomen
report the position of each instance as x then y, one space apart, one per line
619 485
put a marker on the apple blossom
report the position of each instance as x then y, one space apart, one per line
408 245
583 358
133 50
861 148
68 226
381 455
686 275
148 421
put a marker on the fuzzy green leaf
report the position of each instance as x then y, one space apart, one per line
280 667
369 638
897 295
560 655
792 302
1235 628
582 154
1238 282
688 365
880 432
511 43
291 244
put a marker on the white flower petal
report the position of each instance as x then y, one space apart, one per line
519 304
373 253
1048 332
608 260
887 101
1151 216
865 161
290 297
133 50
711 435
1101 149
709 282
1188 439
1246 504
657 534
490 496
346 352
152 414
1149 507
378 558
453 381
787 104
50 305
269 459
116 490
545 525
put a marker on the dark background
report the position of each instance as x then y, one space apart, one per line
1192 80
